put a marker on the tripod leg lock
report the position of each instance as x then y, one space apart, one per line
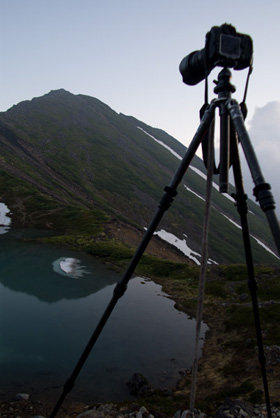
167 198
241 202
252 284
264 196
120 289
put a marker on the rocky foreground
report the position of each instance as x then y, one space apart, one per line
22 406
230 409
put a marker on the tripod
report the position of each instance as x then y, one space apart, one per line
231 116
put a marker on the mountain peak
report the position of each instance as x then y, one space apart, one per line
59 92
74 151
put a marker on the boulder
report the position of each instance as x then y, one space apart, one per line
22 397
139 386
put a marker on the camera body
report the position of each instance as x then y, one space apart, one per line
227 48
224 47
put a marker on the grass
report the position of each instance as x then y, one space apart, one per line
239 317
211 403
231 369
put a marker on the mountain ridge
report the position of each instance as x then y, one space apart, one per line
63 150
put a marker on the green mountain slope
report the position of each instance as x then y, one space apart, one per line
71 163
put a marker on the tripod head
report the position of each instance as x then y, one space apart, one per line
223 86
223 89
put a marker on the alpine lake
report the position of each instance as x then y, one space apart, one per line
52 298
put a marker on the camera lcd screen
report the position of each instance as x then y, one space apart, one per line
229 46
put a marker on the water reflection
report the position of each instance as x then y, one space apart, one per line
47 317
47 272
70 267
5 220
4 229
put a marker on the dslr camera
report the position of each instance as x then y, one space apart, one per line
224 47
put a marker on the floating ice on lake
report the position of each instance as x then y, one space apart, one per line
68 266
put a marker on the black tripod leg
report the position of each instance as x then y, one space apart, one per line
241 201
166 200
262 189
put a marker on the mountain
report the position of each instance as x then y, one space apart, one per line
71 163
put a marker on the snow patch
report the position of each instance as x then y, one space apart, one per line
264 246
162 144
196 194
256 239
182 245
196 170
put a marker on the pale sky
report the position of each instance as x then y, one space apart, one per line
127 53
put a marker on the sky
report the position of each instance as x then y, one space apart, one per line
127 53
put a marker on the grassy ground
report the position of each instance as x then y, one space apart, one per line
229 366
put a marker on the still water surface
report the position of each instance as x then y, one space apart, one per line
47 316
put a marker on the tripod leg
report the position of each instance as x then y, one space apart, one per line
262 189
241 200
204 258
224 148
165 202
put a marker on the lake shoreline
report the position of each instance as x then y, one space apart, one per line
31 248
225 347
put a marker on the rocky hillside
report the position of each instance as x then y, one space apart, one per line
71 163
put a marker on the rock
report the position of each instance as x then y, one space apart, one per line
186 414
38 416
244 297
144 411
243 413
272 354
139 387
22 397
92 413
189 414
234 409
